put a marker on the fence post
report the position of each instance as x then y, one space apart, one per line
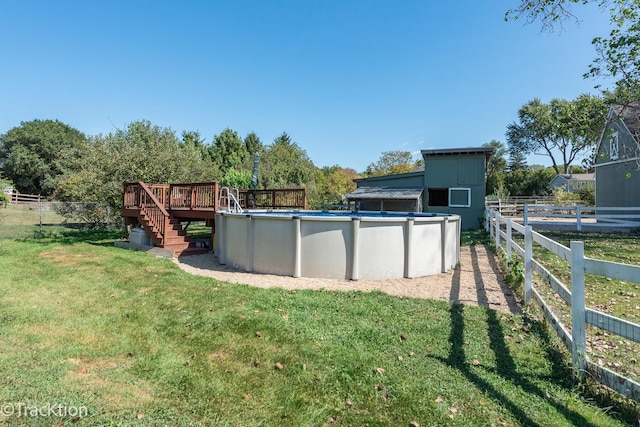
487 212
578 318
509 238
498 218
525 215
578 217
40 206
491 223
528 264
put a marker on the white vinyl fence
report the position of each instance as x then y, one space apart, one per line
501 230
581 216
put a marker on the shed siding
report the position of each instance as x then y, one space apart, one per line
465 171
618 185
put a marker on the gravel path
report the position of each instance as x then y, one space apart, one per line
476 281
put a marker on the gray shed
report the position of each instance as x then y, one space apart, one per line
453 181
618 159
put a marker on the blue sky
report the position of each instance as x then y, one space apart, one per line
346 79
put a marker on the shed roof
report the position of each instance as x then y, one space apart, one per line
386 193
487 151
579 176
630 115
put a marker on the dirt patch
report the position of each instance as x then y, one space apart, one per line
98 375
65 257
476 281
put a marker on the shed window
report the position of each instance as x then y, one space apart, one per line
438 196
460 197
613 146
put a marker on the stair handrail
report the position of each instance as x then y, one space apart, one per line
236 208
158 215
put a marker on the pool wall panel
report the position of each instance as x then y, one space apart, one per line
274 245
326 249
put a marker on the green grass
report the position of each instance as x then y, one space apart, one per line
20 221
139 342
615 297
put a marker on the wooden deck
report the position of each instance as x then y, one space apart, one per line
162 208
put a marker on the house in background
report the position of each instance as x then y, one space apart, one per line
617 160
452 182
573 181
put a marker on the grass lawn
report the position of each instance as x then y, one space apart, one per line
139 342
615 297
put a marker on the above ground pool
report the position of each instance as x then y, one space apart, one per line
338 244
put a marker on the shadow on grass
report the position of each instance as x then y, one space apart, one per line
505 364
474 237
70 234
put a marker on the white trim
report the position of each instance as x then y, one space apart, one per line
617 162
614 146
468 190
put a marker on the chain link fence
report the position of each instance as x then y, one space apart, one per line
42 217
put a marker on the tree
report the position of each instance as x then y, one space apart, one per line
565 128
333 182
141 152
286 165
497 166
35 154
391 163
252 144
228 150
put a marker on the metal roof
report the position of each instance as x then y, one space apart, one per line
386 193
487 151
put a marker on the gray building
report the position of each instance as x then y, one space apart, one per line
573 182
453 181
617 160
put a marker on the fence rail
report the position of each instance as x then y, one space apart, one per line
575 340
592 216
18 199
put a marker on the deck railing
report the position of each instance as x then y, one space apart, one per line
204 196
157 215
295 198
201 195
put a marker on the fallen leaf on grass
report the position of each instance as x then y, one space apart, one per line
334 419
453 410
476 362
402 338
379 370
400 358
414 424
139 415
349 402
439 399
258 334
279 366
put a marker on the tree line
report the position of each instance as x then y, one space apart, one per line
53 159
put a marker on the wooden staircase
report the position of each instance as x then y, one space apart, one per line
164 229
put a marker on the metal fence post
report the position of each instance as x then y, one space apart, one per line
528 264
525 215
578 318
